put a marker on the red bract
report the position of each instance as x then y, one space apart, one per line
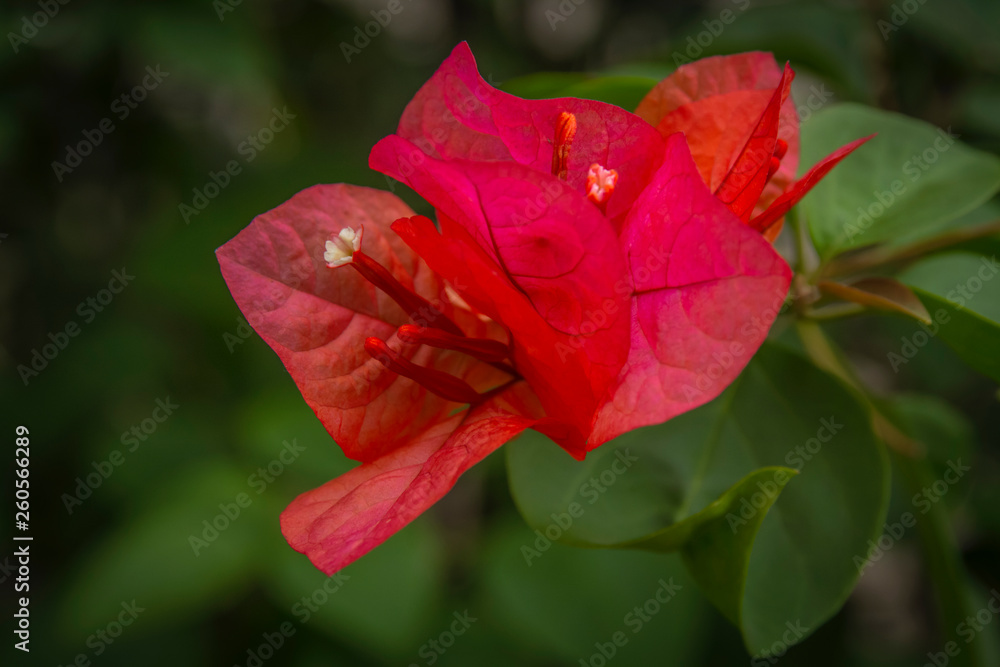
743 131
583 281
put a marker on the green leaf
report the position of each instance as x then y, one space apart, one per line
967 223
624 91
719 539
704 481
912 179
962 292
966 279
555 608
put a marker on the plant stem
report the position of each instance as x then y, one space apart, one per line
866 260
827 357
834 311
803 292
801 244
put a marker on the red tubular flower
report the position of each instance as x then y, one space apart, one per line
583 281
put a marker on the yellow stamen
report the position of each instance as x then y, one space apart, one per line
565 131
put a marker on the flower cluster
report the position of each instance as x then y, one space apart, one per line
588 269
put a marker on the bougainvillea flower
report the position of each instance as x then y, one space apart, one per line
743 130
583 280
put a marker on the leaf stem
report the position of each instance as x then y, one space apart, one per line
834 311
826 356
866 260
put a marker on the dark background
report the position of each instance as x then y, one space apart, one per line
175 333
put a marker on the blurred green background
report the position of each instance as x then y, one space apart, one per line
174 334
